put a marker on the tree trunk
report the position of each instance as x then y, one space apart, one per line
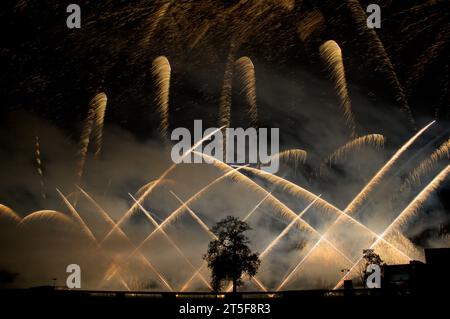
235 275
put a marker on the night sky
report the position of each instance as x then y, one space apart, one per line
50 73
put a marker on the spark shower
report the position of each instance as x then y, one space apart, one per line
93 192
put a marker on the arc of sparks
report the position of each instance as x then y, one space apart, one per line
368 188
286 210
297 190
409 210
429 163
246 72
250 213
109 220
46 215
170 240
93 125
362 195
9 213
177 211
287 228
89 233
213 236
161 72
332 55
379 52
135 205
283 233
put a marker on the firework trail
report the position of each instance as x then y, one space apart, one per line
186 285
388 257
96 115
294 189
160 276
39 167
113 270
425 60
173 215
362 195
377 49
152 24
99 105
418 201
298 191
110 274
161 73
240 177
422 25
405 245
428 164
194 215
370 185
89 233
203 30
77 217
178 211
332 55
217 17
287 4
375 140
310 24
246 73
210 233
225 96
174 245
142 190
401 219
122 281
256 206
286 229
135 206
292 157
407 213
105 216
289 276
46 215
277 204
9 213
242 30
194 275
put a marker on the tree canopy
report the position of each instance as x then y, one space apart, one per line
229 256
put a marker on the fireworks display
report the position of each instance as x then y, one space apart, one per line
363 163
93 126
39 166
246 73
331 53
426 165
161 72
375 140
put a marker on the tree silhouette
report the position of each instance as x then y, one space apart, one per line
229 256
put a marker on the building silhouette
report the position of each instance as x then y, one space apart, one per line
418 278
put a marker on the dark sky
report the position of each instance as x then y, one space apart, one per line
54 71
50 73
